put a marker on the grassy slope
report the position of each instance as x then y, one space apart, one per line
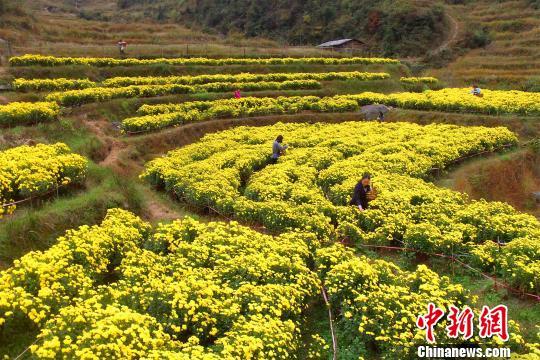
58 21
55 28
512 58
508 177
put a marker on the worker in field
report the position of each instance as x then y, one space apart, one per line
374 112
237 94
476 91
278 149
363 193
122 45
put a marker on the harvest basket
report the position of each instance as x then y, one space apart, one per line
372 195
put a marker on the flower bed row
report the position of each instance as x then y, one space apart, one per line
22 113
60 84
29 171
79 97
419 80
450 100
31 60
74 84
244 77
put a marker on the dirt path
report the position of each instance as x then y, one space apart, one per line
455 29
115 146
156 211
154 208
451 38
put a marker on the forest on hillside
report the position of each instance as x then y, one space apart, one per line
402 27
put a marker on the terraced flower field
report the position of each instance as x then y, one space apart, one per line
450 100
222 290
310 187
116 82
206 291
287 249
75 92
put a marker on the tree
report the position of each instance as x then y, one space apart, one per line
374 22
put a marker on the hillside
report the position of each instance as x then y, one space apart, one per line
511 59
404 27
494 43
63 29
27 22
15 21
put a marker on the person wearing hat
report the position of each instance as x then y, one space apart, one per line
361 196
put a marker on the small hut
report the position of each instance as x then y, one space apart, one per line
343 45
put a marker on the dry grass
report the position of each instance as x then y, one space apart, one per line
509 178
511 58
53 28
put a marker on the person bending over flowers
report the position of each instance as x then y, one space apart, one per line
363 193
278 149
476 91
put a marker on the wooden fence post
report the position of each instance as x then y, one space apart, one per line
9 51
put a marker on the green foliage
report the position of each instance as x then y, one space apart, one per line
10 7
535 4
476 37
532 84
535 146
395 27
420 84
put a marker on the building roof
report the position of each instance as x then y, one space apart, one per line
336 42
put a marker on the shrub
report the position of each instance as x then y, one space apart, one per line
23 113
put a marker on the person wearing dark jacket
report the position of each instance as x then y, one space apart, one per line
277 149
360 195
